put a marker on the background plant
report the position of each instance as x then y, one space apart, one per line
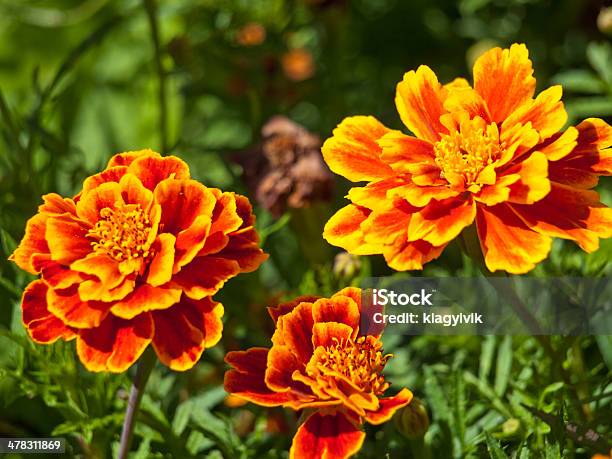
80 80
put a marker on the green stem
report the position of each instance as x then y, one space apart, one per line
151 8
143 371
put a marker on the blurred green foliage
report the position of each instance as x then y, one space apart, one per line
83 79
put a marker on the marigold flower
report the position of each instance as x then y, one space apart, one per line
603 456
134 259
490 153
298 64
321 364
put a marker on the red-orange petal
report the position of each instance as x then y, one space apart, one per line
285 308
441 221
340 308
247 379
374 194
420 196
243 248
33 243
152 169
504 79
559 145
533 184
161 266
325 436
145 298
112 174
126 158
353 151
280 367
182 201
387 222
545 113
106 195
507 243
296 328
116 344
403 255
419 102
183 331
328 334
388 406
54 274
569 213
204 276
401 151
42 326
73 311
66 239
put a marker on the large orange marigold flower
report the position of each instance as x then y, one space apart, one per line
490 153
133 260
319 363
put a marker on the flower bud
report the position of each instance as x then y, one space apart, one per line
412 421
604 20
346 265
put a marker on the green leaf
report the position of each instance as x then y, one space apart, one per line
583 81
600 57
494 448
181 417
504 365
486 356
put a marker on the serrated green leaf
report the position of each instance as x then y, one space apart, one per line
486 356
181 417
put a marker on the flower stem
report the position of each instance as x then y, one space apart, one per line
143 371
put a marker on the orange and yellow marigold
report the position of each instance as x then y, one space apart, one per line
490 154
320 363
134 259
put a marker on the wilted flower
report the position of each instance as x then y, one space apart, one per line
134 259
321 364
490 154
287 169
251 34
298 64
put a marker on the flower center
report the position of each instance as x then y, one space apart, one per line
462 156
361 361
122 232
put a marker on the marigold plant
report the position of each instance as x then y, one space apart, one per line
134 259
490 154
320 363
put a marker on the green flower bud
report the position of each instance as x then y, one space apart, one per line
412 421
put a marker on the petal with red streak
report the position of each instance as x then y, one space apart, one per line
401 151
342 309
296 329
533 184
151 170
33 243
43 326
73 311
329 334
326 436
246 380
182 201
419 103
160 268
145 298
343 229
116 344
388 406
67 240
545 113
507 243
441 221
353 151
280 366
204 276
403 255
181 332
504 79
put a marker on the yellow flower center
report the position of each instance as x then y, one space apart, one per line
361 361
122 232
463 156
